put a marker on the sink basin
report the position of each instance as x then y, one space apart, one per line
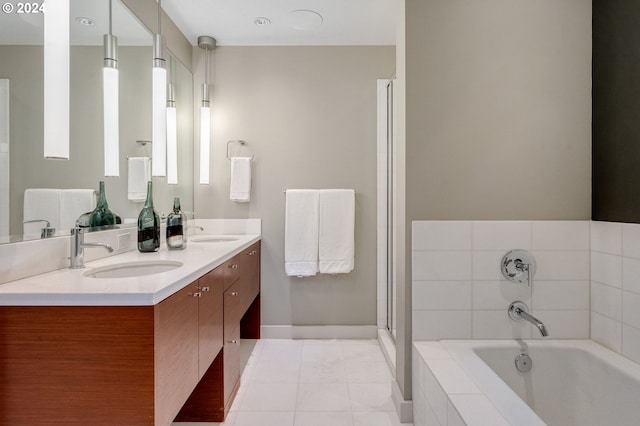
212 239
133 269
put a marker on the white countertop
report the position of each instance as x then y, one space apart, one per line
69 287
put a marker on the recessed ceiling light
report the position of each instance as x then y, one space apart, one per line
85 21
261 21
305 20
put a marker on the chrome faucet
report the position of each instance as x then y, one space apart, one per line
77 247
518 312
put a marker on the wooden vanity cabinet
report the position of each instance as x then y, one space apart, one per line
133 365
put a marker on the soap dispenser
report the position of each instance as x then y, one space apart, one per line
176 224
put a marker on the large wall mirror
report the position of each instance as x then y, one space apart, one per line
21 63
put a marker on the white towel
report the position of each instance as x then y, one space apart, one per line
73 203
240 188
301 232
41 203
139 175
336 229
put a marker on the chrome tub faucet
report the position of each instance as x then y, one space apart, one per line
518 312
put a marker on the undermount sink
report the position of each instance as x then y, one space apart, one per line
133 269
212 239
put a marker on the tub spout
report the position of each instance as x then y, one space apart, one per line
518 312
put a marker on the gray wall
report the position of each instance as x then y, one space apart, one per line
498 118
308 115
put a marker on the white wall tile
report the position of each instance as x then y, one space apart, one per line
631 240
606 301
497 325
631 343
563 324
631 309
498 295
437 325
453 418
606 237
560 295
631 274
451 377
560 235
486 265
606 331
452 295
442 265
435 395
606 269
561 265
501 235
441 235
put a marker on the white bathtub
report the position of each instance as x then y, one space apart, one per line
572 382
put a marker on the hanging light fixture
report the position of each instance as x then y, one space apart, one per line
159 130
56 80
207 43
172 130
110 89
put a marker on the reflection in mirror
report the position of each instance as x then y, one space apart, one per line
21 62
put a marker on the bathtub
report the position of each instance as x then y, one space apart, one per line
571 382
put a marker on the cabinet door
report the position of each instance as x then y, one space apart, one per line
231 349
176 351
249 276
210 315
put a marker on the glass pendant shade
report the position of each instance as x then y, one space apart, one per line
172 146
111 122
159 131
205 141
56 80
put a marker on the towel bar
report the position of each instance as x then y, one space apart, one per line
238 142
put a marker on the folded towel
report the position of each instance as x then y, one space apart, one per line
240 188
73 203
301 232
41 203
336 231
139 175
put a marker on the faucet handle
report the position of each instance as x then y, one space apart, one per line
518 266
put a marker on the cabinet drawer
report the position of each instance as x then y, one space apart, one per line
232 268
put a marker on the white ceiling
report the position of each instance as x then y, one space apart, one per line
231 22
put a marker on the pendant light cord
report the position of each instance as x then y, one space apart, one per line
159 16
110 12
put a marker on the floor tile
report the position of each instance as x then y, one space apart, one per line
323 397
323 418
371 397
264 418
268 397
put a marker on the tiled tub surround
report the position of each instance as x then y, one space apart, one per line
475 382
615 287
460 293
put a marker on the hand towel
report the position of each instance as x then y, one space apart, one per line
240 188
139 175
74 203
41 203
336 231
301 232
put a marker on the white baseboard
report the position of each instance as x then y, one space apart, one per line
318 331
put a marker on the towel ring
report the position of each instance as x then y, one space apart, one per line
239 142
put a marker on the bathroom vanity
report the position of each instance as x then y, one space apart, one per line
145 350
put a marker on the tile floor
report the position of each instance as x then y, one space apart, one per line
312 382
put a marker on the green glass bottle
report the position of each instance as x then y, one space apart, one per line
102 217
176 222
148 225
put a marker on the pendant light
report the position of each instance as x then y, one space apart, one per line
207 43
159 118
172 129
56 80
110 88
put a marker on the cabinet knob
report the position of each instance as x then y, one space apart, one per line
252 253
233 341
234 293
196 294
234 266
205 288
